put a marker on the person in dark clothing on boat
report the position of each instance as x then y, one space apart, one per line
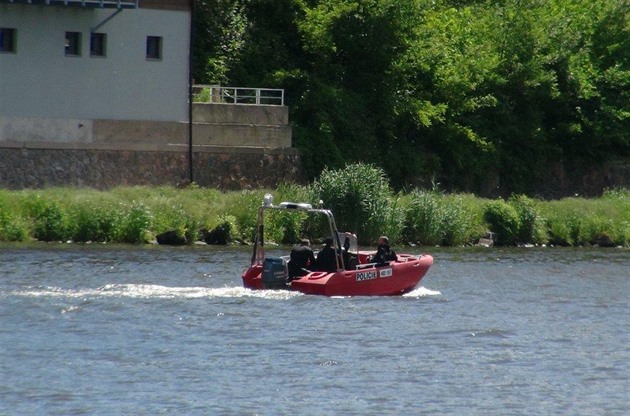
326 260
302 259
384 253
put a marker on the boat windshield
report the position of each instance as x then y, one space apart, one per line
354 244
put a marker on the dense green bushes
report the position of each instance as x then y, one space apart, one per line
359 196
503 219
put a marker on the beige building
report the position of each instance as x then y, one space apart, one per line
96 93
82 60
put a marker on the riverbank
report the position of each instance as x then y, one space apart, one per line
133 215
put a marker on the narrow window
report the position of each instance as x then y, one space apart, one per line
154 47
73 43
7 40
98 44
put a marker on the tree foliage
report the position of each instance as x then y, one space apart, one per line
449 89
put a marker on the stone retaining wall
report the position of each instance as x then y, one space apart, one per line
585 180
223 168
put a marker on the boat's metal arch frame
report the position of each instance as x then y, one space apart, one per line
258 255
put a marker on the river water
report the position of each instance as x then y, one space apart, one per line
100 330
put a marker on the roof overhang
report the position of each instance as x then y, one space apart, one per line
91 4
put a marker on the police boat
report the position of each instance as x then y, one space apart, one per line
355 275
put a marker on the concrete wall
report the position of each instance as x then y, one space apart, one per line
241 125
214 125
261 115
40 82
234 147
91 134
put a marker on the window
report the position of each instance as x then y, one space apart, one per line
154 47
7 39
73 43
98 44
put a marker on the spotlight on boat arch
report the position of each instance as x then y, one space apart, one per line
268 200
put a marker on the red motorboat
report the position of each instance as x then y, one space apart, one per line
355 275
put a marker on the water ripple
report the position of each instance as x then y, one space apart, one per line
171 331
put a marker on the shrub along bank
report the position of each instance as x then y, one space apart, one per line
359 196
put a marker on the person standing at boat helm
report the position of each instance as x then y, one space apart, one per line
302 259
384 252
326 260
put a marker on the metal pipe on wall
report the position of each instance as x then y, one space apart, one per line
190 91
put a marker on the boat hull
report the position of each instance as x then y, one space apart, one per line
395 278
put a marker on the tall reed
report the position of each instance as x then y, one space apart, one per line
362 201
432 218
579 221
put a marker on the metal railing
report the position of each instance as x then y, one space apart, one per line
237 95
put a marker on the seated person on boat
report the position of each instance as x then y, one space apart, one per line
384 253
302 259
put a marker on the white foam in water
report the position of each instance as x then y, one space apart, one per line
165 292
157 292
421 292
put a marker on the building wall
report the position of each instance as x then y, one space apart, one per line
40 82
214 125
122 119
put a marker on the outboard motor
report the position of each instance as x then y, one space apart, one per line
275 273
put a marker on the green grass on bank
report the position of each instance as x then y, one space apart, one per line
359 196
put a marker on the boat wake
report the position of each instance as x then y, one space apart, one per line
155 292
141 291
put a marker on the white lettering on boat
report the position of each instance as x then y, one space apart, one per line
366 275
385 272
